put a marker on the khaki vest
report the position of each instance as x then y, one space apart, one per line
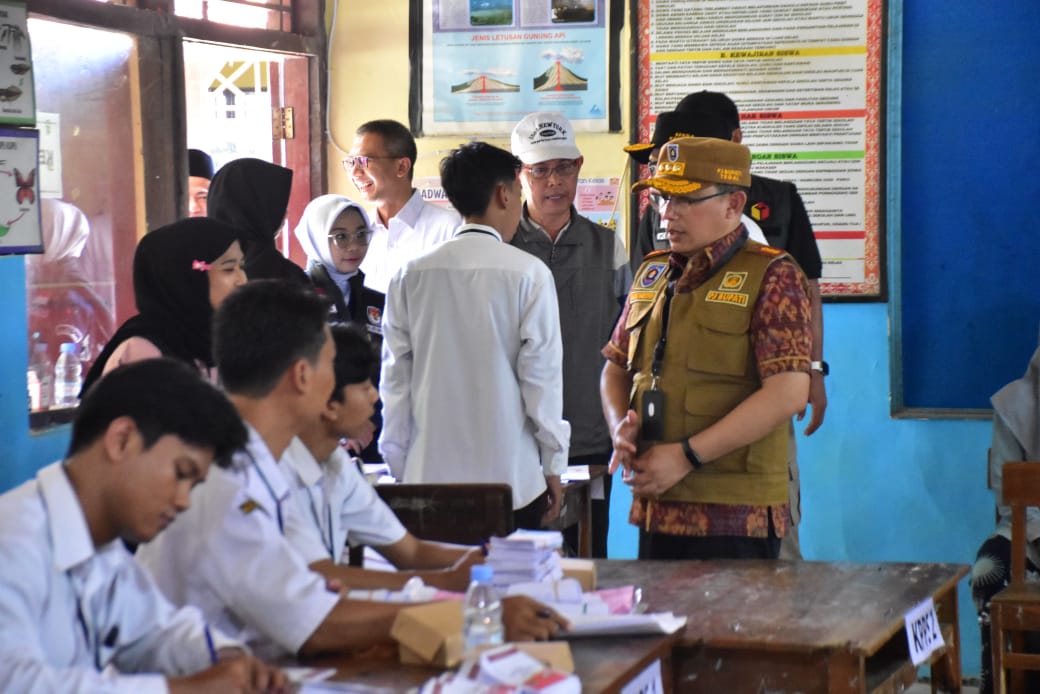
708 369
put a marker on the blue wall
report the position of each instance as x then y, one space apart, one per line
22 454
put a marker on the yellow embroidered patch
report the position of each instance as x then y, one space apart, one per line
768 250
641 296
248 506
737 298
733 281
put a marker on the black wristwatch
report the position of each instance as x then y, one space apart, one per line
821 366
690 455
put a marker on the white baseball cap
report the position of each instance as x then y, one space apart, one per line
542 136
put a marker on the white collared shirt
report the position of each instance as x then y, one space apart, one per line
337 505
471 382
75 618
228 555
415 229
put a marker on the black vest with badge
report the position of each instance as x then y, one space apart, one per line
707 367
366 305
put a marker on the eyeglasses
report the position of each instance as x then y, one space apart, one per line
361 161
680 203
343 240
563 169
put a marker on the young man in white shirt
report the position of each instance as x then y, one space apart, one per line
471 383
381 165
78 614
341 506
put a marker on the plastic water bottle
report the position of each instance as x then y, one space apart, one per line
481 610
38 378
68 376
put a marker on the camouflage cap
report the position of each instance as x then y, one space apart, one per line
687 164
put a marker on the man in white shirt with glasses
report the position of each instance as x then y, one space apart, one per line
381 164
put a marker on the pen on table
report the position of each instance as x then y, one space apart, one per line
209 645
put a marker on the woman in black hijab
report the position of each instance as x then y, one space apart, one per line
182 272
253 195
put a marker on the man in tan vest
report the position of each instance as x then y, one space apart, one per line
706 365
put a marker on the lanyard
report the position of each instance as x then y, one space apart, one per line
89 634
329 541
476 231
270 491
655 367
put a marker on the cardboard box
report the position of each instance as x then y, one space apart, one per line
555 654
584 570
430 634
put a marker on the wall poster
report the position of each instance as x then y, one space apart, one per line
807 78
488 63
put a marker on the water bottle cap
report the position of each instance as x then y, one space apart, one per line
481 572
68 348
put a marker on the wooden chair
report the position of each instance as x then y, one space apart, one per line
1016 609
465 514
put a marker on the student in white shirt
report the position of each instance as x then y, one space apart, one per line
381 165
342 506
472 382
78 614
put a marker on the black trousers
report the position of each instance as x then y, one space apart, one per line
661 546
600 511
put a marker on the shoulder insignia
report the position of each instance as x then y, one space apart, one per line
654 254
650 273
768 250
248 506
641 296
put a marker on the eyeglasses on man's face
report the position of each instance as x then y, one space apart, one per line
679 203
344 239
361 161
564 169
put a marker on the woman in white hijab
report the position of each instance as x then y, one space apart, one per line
1016 436
334 233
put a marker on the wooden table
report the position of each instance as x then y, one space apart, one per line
577 509
604 665
808 627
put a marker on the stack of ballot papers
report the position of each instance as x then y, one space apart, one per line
525 556
504 670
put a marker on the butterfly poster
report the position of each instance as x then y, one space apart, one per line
20 191
17 88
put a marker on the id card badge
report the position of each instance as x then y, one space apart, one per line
652 416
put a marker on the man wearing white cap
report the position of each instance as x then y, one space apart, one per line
590 268
707 363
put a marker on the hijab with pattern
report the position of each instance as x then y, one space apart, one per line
253 195
313 234
171 289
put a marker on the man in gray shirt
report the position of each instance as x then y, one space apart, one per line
590 267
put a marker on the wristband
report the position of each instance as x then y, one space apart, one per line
690 455
821 366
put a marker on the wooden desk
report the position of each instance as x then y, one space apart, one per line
797 626
577 509
604 665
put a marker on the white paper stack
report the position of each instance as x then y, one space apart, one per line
526 556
